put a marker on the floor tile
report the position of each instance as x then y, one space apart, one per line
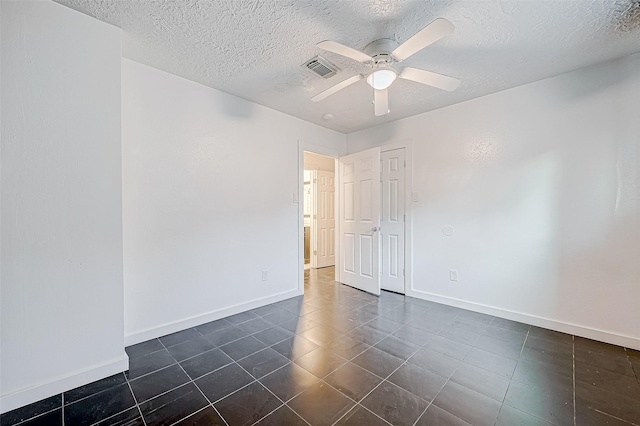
149 363
144 348
436 416
283 416
321 405
505 334
359 416
480 380
510 416
294 347
20 414
255 325
288 381
621 406
492 362
226 335
397 347
52 418
321 335
551 335
280 316
435 362
511 325
298 325
93 388
368 335
588 417
470 316
394 404
320 362
158 382
266 309
413 335
222 382
353 381
179 337
205 417
556 379
347 347
550 346
130 417
242 347
173 406
99 406
418 381
248 405
213 326
273 335
555 409
190 348
460 335
468 405
447 346
263 362
205 363
590 376
378 362
617 363
500 347
384 324
241 317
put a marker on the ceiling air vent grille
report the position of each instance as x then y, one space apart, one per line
321 67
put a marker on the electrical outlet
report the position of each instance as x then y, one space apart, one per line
265 275
453 275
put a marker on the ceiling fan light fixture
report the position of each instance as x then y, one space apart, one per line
381 79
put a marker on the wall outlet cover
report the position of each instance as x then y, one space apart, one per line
265 275
453 275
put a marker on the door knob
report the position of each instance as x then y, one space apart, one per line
375 229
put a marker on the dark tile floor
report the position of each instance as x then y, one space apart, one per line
340 356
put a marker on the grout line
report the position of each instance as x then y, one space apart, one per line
137 404
62 410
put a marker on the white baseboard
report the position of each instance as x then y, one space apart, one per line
578 330
172 327
62 384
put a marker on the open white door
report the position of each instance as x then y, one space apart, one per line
392 221
359 177
325 219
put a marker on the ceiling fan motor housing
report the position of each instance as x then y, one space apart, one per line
380 50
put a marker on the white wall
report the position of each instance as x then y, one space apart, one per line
542 186
208 184
61 227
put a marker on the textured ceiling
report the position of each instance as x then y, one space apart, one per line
254 49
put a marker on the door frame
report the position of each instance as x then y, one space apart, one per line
407 144
329 152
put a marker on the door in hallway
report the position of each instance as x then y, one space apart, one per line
392 220
359 176
325 219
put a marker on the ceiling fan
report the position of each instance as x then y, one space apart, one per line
382 55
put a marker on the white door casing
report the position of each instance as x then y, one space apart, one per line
359 177
392 220
325 219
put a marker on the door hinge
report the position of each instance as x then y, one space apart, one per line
404 217
403 273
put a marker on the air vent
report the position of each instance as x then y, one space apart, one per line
321 67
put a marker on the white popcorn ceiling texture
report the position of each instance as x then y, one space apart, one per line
254 49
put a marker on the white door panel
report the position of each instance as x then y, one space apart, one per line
392 220
359 216
326 224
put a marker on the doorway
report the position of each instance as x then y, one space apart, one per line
319 207
372 204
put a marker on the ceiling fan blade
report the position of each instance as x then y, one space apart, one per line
381 101
423 38
333 89
341 49
430 78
